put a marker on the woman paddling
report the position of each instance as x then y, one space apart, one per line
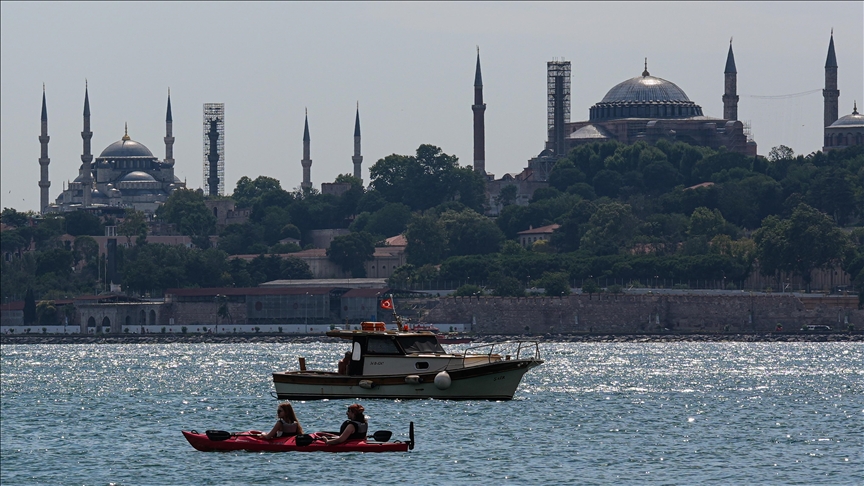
287 424
355 427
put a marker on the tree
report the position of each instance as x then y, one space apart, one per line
247 191
134 224
82 223
468 291
507 195
780 153
809 239
351 252
186 209
470 233
46 313
427 240
13 218
590 287
704 222
555 284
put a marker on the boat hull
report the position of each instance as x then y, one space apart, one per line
493 381
286 444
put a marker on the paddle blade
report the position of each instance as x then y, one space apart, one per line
382 435
304 440
218 435
411 437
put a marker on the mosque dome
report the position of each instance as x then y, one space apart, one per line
126 147
854 119
645 96
137 176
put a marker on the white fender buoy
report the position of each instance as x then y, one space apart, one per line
367 384
412 379
443 381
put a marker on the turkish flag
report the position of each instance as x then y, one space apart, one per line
387 304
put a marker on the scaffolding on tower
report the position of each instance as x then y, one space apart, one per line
557 102
214 111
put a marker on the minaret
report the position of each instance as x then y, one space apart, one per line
306 162
169 134
831 94
479 109
730 92
357 158
85 171
44 183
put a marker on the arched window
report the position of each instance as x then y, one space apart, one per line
106 324
91 322
142 318
152 317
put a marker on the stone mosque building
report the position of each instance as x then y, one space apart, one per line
648 108
126 174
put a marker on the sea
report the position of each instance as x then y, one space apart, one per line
594 413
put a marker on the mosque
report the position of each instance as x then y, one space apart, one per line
646 108
125 175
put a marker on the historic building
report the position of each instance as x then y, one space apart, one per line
848 130
125 175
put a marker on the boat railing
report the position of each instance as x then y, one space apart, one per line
506 349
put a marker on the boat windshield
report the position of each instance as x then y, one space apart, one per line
382 345
420 344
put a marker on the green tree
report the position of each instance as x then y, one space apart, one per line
248 191
705 222
46 313
809 239
13 218
610 228
780 153
590 287
468 291
427 239
134 224
351 252
83 223
470 233
555 284
186 209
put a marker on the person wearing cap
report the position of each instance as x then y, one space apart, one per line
355 427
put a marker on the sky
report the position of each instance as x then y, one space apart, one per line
409 66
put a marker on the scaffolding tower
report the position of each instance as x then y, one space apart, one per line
214 111
557 101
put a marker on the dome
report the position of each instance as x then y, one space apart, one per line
97 194
645 96
137 176
645 89
853 120
590 133
126 148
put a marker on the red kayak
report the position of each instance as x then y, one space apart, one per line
215 440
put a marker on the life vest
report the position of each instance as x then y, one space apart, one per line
360 429
288 428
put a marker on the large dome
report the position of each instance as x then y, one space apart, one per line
645 88
126 148
853 120
645 96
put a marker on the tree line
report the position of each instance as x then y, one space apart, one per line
628 212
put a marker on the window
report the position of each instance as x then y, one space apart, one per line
421 365
382 345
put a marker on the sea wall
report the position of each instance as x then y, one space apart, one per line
639 313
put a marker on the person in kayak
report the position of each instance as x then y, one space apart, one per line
287 425
355 427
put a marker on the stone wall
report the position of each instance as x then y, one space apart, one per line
638 313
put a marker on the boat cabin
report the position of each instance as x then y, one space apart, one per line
384 352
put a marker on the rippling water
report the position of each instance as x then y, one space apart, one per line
664 413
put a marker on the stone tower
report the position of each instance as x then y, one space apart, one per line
730 91
306 162
831 94
357 158
169 133
44 183
85 172
479 109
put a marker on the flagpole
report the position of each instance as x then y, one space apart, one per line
396 318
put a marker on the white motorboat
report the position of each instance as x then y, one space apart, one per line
412 364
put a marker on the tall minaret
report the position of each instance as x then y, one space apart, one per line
306 162
169 134
85 171
831 93
479 127
44 183
730 91
357 158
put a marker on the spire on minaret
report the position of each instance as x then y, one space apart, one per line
306 162
169 133
730 87
479 109
44 183
831 60
831 94
85 172
357 158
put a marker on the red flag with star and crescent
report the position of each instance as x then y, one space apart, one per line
387 304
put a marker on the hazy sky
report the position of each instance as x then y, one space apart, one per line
410 66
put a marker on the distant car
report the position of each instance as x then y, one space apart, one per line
816 328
